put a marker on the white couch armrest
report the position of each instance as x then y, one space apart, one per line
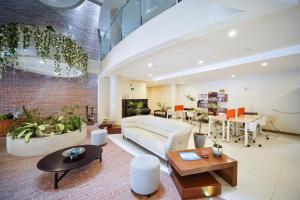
178 140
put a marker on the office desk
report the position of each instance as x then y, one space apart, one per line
245 119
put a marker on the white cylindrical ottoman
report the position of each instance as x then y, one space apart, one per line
98 137
144 174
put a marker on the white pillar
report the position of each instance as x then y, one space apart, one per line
174 95
115 107
103 98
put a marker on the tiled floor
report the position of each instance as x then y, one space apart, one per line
264 173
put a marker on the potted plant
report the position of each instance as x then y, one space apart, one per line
199 137
217 149
105 123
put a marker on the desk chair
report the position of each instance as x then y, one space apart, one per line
261 123
179 111
252 129
230 113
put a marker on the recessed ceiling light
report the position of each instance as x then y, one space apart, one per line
42 62
149 64
200 62
232 33
182 82
233 76
150 75
264 64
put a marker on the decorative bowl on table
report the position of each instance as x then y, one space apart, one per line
73 152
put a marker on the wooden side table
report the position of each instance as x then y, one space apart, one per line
113 129
192 178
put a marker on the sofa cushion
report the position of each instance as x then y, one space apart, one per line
153 142
149 140
154 130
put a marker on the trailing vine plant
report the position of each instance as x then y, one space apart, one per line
48 43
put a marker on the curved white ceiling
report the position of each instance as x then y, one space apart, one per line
270 36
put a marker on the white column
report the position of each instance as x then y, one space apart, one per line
174 95
103 98
115 106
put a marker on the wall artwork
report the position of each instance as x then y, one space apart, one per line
213 101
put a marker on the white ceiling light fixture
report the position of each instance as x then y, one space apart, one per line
149 64
182 82
150 75
200 62
233 75
232 33
264 64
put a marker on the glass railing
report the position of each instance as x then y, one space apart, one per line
131 15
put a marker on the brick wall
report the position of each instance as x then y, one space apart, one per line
49 94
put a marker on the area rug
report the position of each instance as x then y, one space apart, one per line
134 149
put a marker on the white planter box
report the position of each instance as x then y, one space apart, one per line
44 145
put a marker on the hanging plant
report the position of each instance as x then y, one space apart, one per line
48 43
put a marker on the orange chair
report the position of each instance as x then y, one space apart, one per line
179 111
230 113
179 108
241 111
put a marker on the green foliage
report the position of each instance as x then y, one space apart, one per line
190 97
139 105
44 39
162 106
32 124
6 116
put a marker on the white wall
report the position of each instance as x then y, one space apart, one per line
139 91
257 94
159 94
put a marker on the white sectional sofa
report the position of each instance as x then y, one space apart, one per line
158 135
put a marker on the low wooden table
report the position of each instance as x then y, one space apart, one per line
192 178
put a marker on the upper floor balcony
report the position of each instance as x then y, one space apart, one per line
128 17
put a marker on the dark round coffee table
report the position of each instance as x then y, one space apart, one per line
56 162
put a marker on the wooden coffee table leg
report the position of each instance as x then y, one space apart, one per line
229 175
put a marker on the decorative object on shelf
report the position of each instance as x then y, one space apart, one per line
48 44
204 153
73 152
217 149
199 137
32 124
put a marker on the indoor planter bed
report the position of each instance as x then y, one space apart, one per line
45 145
